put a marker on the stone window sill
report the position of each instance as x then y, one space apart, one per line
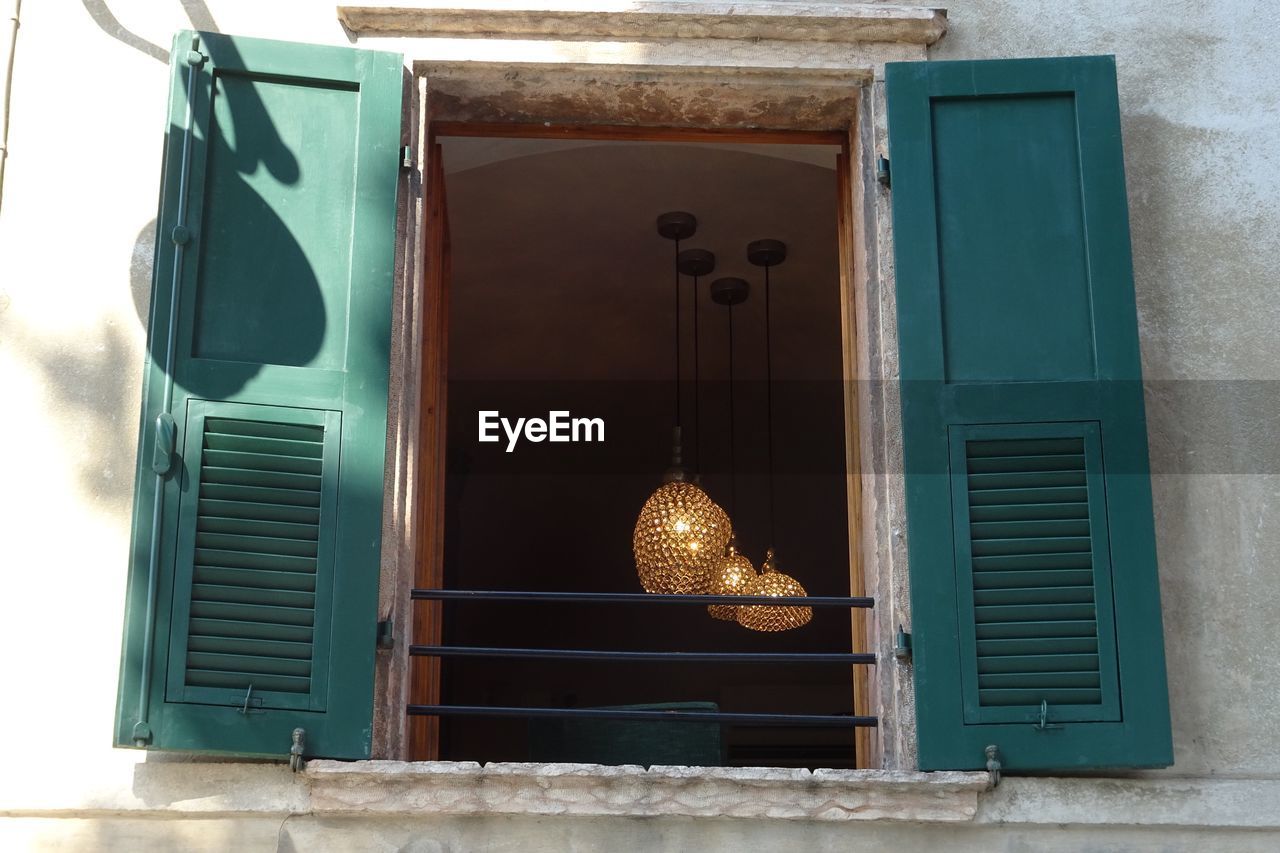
467 788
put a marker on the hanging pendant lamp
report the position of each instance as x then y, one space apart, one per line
681 533
766 617
735 570
770 581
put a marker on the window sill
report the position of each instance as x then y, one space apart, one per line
467 788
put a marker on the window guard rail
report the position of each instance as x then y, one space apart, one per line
731 718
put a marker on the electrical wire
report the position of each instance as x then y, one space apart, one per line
768 360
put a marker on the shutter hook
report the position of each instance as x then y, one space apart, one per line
295 751
249 701
1044 725
993 764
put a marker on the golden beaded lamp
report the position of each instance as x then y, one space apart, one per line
767 617
731 577
681 533
770 581
679 537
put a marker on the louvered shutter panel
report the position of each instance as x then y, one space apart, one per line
1035 600
251 606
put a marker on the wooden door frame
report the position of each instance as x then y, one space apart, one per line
424 675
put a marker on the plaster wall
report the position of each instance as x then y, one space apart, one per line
1200 97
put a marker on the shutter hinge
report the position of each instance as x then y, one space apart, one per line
883 175
386 634
993 764
406 157
295 750
902 645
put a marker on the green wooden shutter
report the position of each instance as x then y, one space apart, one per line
1035 599
251 607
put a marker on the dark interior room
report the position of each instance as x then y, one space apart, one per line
562 297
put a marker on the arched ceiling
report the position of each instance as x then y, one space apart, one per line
555 256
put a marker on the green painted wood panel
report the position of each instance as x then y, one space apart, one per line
1053 566
1018 342
268 346
1013 279
234 560
274 252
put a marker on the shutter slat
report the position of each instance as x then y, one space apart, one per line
241 681
252 595
1016 446
273 545
298 581
1038 663
1042 577
1085 628
1049 527
1034 646
231 628
257 663
268 479
1029 495
1034 612
1029 511
258 511
304 433
1026 480
1033 697
259 494
263 444
1031 545
246 645
269 528
298 616
1012 464
1041 680
1026 562
251 560
1035 595
262 461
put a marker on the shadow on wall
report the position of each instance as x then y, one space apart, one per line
267 305
90 379
87 387
197 13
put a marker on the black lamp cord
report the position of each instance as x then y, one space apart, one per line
697 387
768 361
677 338
733 443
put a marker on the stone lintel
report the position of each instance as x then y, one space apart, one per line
651 19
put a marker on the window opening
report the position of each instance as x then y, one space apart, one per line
559 301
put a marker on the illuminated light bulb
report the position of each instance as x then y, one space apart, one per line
677 537
764 617
730 578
